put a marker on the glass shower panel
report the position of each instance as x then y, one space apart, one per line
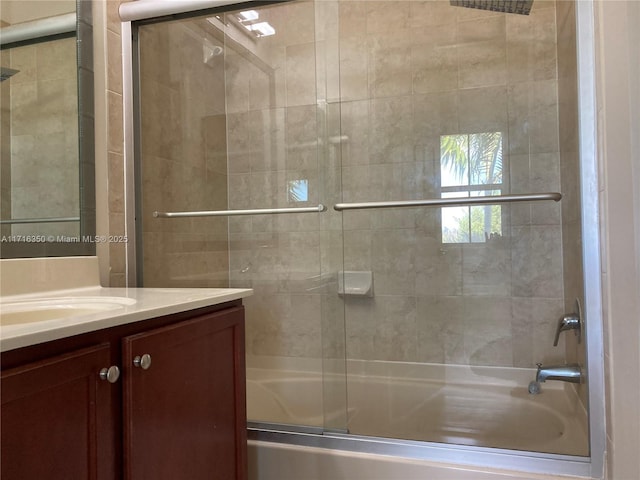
441 101
182 155
273 150
230 120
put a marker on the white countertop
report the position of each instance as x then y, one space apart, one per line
137 304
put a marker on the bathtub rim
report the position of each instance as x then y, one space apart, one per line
408 373
445 453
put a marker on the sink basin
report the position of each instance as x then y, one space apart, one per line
29 311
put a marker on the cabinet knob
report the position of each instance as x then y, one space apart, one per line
143 361
111 374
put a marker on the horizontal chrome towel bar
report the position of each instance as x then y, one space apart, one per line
448 202
40 220
232 213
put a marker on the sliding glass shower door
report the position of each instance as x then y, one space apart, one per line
232 121
449 305
399 184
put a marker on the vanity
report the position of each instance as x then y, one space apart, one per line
123 383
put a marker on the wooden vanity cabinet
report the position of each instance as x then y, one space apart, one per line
55 413
182 417
177 410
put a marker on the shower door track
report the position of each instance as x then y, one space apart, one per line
517 460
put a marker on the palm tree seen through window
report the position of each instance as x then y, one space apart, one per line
471 166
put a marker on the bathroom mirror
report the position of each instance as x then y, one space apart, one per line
47 205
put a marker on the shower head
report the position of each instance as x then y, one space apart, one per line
7 73
522 7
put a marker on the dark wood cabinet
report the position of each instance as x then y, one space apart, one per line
176 411
182 416
55 418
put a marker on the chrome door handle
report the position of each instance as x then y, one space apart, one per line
111 374
143 361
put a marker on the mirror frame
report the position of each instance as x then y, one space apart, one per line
86 148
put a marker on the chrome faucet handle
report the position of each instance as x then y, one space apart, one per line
570 321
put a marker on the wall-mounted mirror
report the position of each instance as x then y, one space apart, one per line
47 203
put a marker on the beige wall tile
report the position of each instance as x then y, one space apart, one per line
430 14
56 60
386 17
115 128
396 329
352 18
301 138
440 327
240 143
391 130
354 79
537 261
533 324
482 64
483 110
533 117
532 45
116 183
393 262
389 64
435 115
486 268
438 267
215 137
491 28
114 59
354 125
25 60
488 339
113 17
435 68
301 74
237 83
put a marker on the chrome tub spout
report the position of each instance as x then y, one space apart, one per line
567 373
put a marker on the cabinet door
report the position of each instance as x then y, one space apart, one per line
185 415
56 418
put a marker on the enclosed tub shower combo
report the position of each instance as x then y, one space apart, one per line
408 187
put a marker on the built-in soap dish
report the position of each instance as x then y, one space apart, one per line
355 283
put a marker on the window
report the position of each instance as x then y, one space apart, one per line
471 166
298 191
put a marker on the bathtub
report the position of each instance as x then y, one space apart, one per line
461 405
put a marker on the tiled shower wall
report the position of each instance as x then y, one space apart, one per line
110 160
184 163
411 72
